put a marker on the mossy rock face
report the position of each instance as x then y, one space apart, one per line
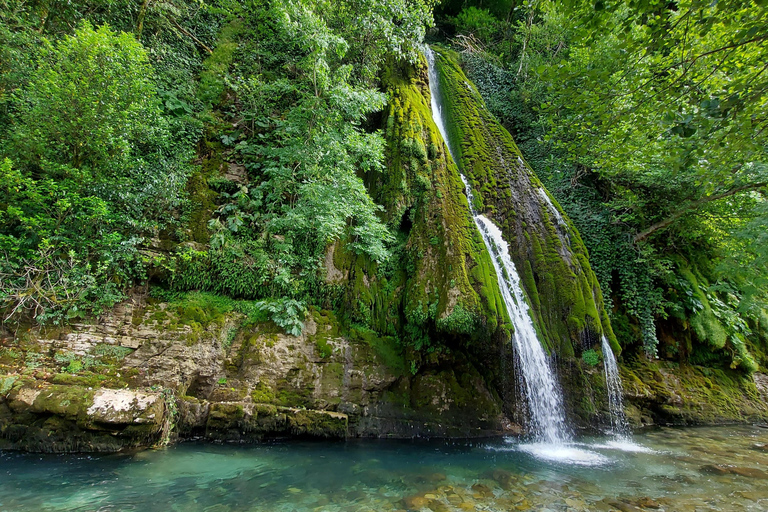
565 298
244 421
55 418
440 281
671 393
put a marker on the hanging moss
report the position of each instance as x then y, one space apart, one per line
565 299
440 281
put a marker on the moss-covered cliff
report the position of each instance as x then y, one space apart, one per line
417 344
553 262
440 288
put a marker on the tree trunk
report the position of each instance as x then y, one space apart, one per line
142 14
189 34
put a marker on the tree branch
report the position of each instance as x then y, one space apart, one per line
188 34
692 206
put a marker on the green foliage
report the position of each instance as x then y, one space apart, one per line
73 126
59 255
645 122
304 82
288 314
590 357
74 364
293 158
93 171
460 321
479 23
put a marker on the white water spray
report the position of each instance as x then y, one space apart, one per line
541 389
615 401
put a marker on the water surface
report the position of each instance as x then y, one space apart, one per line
672 468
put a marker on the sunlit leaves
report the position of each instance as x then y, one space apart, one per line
89 102
95 171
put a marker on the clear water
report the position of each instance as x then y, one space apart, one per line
619 424
357 476
541 390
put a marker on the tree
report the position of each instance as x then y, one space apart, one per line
675 95
90 170
88 106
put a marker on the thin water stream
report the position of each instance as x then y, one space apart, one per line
541 389
619 425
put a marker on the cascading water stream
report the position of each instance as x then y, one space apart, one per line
615 391
541 389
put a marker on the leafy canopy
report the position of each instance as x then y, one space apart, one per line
89 104
89 171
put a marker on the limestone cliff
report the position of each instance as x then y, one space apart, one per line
147 374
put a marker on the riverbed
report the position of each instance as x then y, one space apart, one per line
672 469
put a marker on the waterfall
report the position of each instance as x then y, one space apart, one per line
615 401
540 387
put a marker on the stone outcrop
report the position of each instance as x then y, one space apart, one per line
669 393
146 374
38 416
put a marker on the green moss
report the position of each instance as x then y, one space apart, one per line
441 277
694 394
202 198
263 393
460 321
563 293
6 383
324 349
69 402
212 78
224 416
202 308
290 396
317 423
386 348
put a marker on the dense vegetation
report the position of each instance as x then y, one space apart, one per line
104 105
120 122
648 122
